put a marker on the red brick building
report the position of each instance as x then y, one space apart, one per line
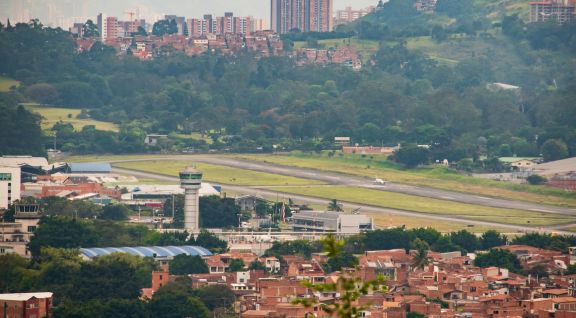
27 305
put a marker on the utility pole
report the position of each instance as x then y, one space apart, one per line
54 140
172 208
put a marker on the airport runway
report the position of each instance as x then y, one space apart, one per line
367 209
354 181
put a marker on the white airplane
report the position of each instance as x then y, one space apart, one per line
379 181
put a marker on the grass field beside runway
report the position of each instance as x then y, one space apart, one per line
434 176
219 174
413 203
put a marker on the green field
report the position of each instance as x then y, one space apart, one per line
217 174
533 221
54 115
412 203
334 43
434 177
441 226
6 83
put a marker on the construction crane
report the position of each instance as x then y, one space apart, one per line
131 20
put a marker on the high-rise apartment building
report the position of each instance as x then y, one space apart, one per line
16 12
306 15
258 24
198 27
560 10
102 22
349 15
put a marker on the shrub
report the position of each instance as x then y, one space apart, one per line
536 179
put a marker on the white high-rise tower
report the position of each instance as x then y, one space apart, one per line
190 181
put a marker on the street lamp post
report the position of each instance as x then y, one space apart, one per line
234 180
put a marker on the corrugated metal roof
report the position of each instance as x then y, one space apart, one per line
160 251
90 167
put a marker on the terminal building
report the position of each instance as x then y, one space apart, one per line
328 221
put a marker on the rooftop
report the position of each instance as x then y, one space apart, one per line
160 251
90 167
24 296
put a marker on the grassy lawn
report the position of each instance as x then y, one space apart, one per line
533 221
218 174
441 226
53 115
197 135
434 177
6 83
358 43
409 203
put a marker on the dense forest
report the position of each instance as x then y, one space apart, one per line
245 102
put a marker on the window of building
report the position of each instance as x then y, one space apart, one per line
241 280
160 284
15 306
160 277
31 228
32 316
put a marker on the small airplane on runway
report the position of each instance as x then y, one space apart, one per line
379 181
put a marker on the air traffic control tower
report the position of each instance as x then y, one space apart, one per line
190 181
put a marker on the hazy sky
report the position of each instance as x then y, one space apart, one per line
197 8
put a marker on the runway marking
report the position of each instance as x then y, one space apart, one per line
541 210
448 198
312 174
256 166
483 198
333 177
281 169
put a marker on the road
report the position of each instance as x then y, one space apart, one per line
367 209
348 180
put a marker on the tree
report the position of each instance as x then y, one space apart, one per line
414 314
42 93
570 270
215 296
388 239
504 151
536 179
210 241
217 212
421 259
492 239
62 233
9 265
176 305
183 264
553 150
21 132
116 279
120 308
412 155
237 265
502 258
164 27
143 266
466 240
445 245
115 212
344 259
262 209
90 30
256 265
335 206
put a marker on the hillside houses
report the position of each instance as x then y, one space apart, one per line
450 287
263 43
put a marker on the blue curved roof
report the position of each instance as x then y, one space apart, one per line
161 251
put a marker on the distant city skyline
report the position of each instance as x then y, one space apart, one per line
259 9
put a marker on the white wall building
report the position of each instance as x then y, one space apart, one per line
9 185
